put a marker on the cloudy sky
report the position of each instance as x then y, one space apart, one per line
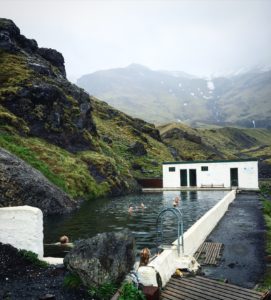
201 37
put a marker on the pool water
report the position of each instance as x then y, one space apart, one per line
111 214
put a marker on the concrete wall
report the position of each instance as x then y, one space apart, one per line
22 227
218 173
200 230
168 261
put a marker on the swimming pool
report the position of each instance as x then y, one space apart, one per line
111 214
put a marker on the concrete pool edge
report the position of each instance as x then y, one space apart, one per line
168 261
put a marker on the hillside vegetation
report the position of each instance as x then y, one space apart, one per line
188 143
82 145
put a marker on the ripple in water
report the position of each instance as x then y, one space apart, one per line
111 214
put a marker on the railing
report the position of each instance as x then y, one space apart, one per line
160 229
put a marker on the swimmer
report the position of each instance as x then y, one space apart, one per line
177 199
130 210
64 240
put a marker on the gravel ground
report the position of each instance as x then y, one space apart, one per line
19 279
242 232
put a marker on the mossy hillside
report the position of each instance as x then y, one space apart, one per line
66 170
217 143
121 131
36 96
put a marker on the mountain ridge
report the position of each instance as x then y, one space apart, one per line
163 96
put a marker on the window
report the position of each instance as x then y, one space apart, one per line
204 168
171 169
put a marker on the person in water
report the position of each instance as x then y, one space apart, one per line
64 240
176 201
130 209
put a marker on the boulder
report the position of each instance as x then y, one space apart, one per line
20 184
137 149
105 257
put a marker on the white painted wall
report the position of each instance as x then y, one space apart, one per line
168 261
22 227
218 173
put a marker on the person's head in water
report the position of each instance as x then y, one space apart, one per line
63 240
130 210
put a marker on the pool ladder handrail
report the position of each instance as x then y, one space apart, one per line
177 212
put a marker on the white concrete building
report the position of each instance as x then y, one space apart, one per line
214 174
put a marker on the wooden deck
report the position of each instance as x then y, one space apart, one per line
209 253
202 288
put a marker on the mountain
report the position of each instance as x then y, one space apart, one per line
81 145
163 96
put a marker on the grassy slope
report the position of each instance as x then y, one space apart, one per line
228 143
88 174
123 136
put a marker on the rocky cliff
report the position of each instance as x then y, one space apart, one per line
36 98
80 144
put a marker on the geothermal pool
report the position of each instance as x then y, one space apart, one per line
111 214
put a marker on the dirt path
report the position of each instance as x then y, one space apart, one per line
242 232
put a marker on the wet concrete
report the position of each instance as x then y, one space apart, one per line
242 233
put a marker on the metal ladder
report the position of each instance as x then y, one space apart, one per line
176 212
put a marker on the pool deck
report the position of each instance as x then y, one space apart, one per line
242 232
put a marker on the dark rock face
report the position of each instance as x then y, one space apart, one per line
137 149
51 106
105 257
54 57
21 184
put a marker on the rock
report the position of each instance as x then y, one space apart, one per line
107 139
136 167
20 184
137 149
105 257
54 57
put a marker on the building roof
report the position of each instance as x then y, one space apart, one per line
208 161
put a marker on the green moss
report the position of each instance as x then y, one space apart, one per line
14 71
33 258
64 169
9 119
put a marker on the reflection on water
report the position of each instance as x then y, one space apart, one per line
111 214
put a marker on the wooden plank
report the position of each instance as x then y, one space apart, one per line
188 293
220 293
228 284
196 292
209 253
224 286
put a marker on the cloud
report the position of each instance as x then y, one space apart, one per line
199 37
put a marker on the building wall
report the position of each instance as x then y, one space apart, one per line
22 227
218 173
